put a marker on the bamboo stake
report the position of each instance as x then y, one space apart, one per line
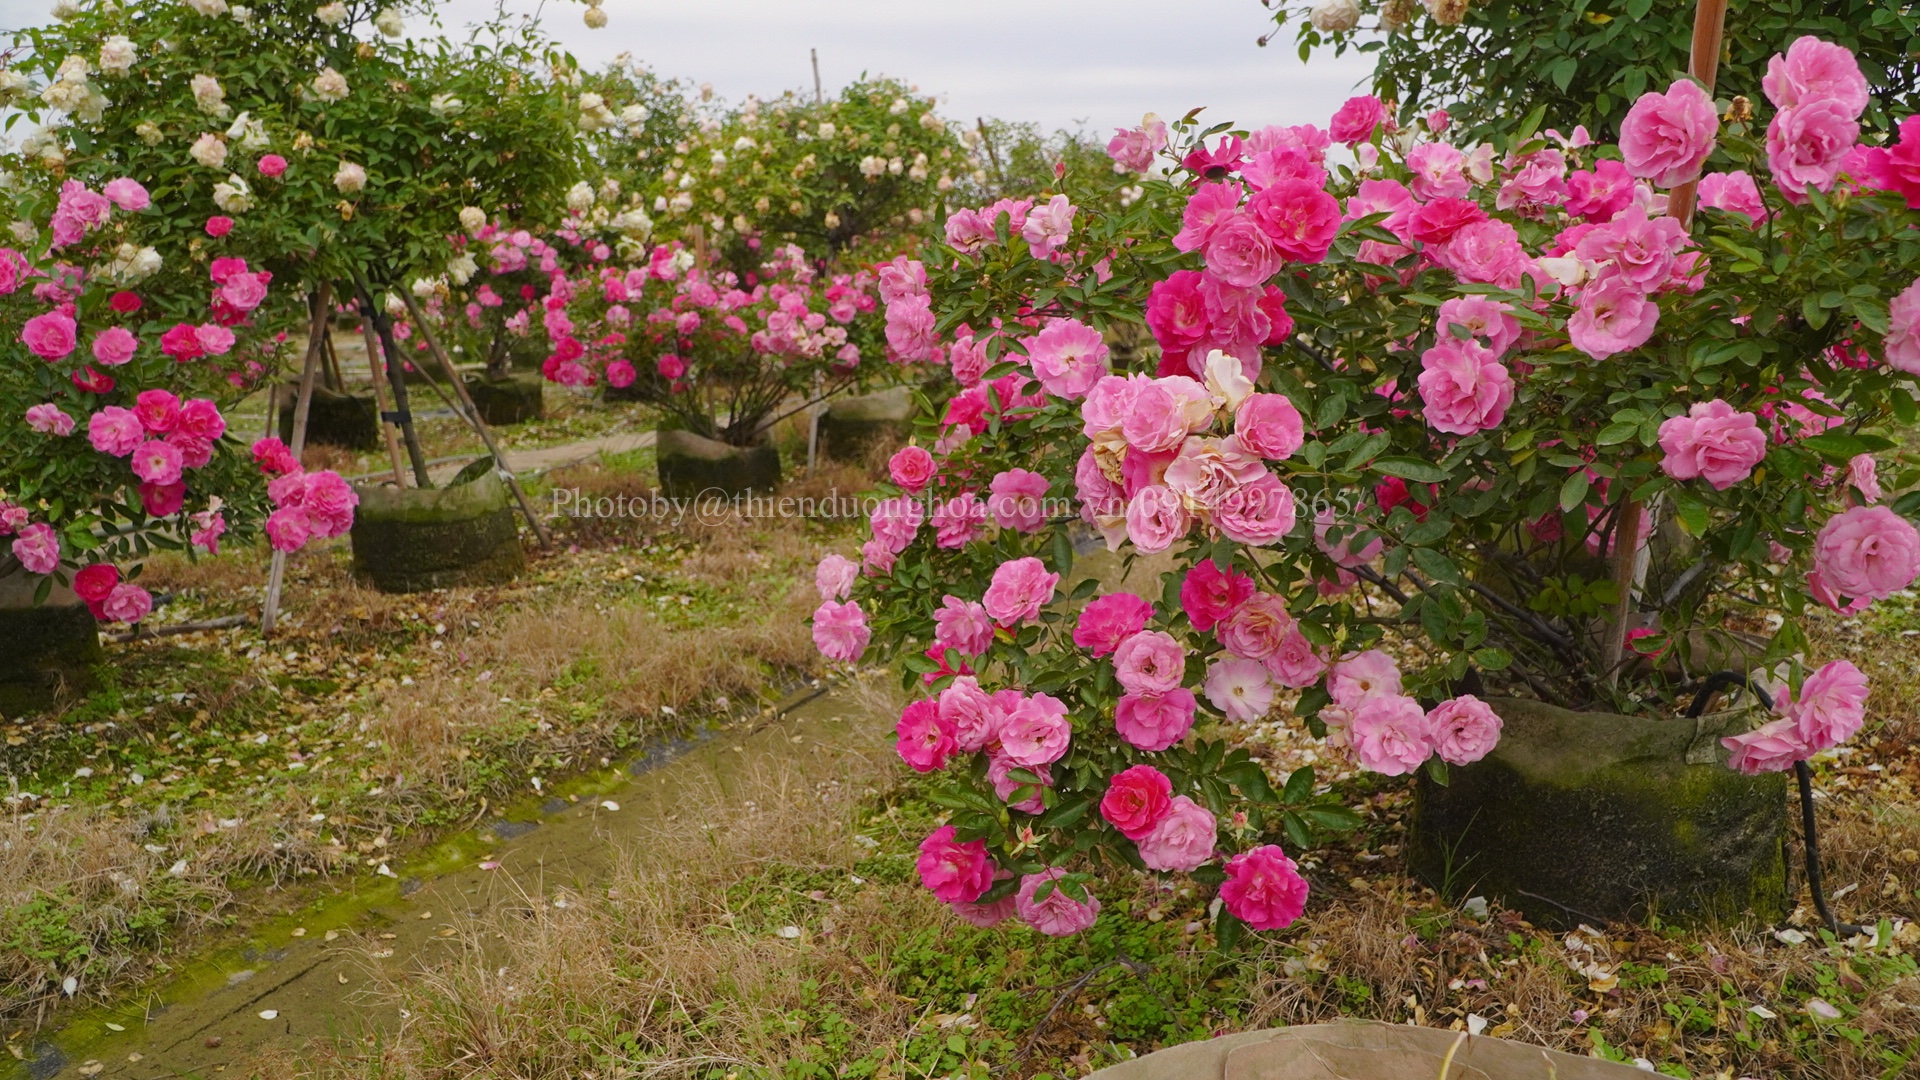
1709 31
473 417
303 405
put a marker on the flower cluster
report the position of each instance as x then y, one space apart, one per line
307 505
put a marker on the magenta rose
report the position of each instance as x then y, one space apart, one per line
288 530
1153 722
1183 839
923 738
1110 620
1389 735
1298 218
1356 121
1208 593
840 630
1667 136
1150 662
1715 442
1020 588
1599 194
1269 425
201 419
1464 386
1264 889
95 581
1867 553
957 873
165 500
1440 219
912 467
1136 800
114 346
1056 914
1463 730
50 336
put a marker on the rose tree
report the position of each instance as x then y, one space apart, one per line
1526 403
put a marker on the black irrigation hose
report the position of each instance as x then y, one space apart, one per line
1809 833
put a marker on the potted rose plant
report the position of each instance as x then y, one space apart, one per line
1562 413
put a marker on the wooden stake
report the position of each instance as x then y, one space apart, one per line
321 310
380 400
473 417
372 315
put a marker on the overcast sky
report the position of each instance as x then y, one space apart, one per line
1060 63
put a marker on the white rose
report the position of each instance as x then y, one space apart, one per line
594 18
349 178
591 101
659 204
1335 16
445 105
580 197
899 106
65 9
242 14
330 86
233 195
332 14
117 55
896 166
208 7
149 132
1447 12
210 96
388 23
250 133
13 86
827 130
146 263
832 220
395 306
634 223
461 269
472 218
424 287
208 150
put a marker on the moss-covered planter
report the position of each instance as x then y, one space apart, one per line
47 651
412 539
511 400
851 427
1595 816
695 467
333 419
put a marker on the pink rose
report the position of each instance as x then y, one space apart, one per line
1298 218
1713 441
288 530
1534 180
1389 197
1156 518
924 741
272 165
1110 620
1601 193
967 358
1487 252
49 336
1206 470
1635 247
970 714
834 577
1048 226
1136 800
1177 314
1666 137
1068 357
1239 688
1150 662
157 410
1866 553
127 603
1735 192
989 915
1020 588
1464 387
1255 629
1807 145
910 327
1463 730
1439 171
1901 346
1442 218
328 502
1342 553
1206 209
958 521
1182 841
1208 594
1269 425
1257 513
157 462
1812 71
1239 252
47 419
37 548
963 626
1389 734
895 521
127 194
912 468
1296 664
95 581
1893 168
1056 914
1362 676
955 872
1017 500
1612 317
1155 721
1482 318
1006 785
840 630
1863 477
1772 747
214 340
1264 888
1831 707
114 346
1035 732
165 500
1356 120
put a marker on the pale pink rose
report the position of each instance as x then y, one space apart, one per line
1389 197
1056 914
1635 247
895 521
840 630
1256 628
1361 676
1150 662
1463 730
922 737
912 467
1772 747
1133 149
963 626
1156 518
1342 553
1110 620
1035 732
1048 226
1017 500
986 916
1183 840
1464 387
957 873
1439 171
214 340
48 419
114 346
1155 421
1806 146
1269 425
1005 786
1264 889
1734 192
1488 252
1257 513
1831 707
969 712
1020 588
1296 664
1901 346
1482 318
834 577
1153 722
1867 553
1714 442
1389 735
1612 317
1534 180
1667 136
959 521
37 547
127 194
1068 357
127 603
1864 478
1814 70
1240 689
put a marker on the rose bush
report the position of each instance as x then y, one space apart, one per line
1443 391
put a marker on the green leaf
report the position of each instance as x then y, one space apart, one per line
1616 433
1574 491
1411 468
